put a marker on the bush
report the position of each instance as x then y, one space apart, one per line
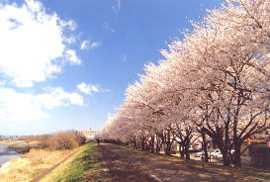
20 149
59 141
80 138
64 140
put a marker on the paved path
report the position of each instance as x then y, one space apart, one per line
132 166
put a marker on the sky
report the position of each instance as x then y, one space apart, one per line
65 64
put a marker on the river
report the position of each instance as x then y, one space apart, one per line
6 154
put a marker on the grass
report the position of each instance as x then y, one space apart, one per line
19 146
84 166
21 149
30 165
9 142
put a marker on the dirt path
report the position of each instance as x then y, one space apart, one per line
121 167
127 165
41 176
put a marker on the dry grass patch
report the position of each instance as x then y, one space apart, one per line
11 141
30 165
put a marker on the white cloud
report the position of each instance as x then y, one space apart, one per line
95 44
89 88
70 24
16 106
108 27
57 97
70 39
85 45
2 83
117 6
33 43
72 57
124 58
89 45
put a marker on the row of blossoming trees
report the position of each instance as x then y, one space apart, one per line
215 84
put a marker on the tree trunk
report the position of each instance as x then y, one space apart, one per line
158 144
206 157
157 148
237 156
143 143
182 154
135 144
152 145
218 140
181 150
187 149
226 159
168 150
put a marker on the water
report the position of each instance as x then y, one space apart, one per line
6 154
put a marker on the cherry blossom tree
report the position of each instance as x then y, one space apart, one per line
215 82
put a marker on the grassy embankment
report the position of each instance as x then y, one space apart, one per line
40 153
84 166
29 165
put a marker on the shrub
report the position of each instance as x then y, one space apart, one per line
59 141
64 140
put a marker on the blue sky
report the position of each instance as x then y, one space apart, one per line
66 63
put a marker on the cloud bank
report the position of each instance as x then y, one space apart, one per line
16 106
34 46
33 43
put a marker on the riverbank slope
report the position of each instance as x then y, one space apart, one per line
86 165
29 165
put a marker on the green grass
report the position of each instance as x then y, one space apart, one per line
82 167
